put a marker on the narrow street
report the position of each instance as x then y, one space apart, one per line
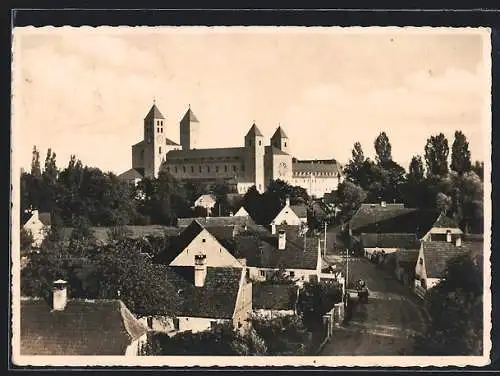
387 324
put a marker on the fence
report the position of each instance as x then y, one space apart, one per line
331 319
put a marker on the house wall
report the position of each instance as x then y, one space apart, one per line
243 306
316 186
439 234
197 324
288 215
163 324
241 213
369 251
262 274
135 346
272 313
217 255
420 272
38 230
220 168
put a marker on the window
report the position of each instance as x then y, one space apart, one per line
421 261
158 130
161 122
176 323
150 322
203 240
260 142
184 169
212 324
192 169
216 168
208 168
159 149
225 168
168 169
176 169
292 274
161 129
262 273
234 168
200 169
248 273
285 143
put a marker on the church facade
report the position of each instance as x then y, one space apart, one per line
254 163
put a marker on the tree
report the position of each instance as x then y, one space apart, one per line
82 237
26 239
456 309
35 163
478 168
350 198
460 154
443 202
383 149
416 170
316 299
353 167
436 155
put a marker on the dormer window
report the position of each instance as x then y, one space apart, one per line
285 143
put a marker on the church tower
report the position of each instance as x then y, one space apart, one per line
254 157
280 140
154 141
189 131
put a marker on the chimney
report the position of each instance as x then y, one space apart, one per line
200 269
281 240
287 201
59 295
243 261
383 204
448 236
458 241
273 228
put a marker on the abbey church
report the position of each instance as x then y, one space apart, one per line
254 163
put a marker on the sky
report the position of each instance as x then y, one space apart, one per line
86 91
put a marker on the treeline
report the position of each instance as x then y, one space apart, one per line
79 192
432 182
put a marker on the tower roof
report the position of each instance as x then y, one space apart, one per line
190 116
280 132
154 113
254 131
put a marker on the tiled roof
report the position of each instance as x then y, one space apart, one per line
217 221
207 154
408 241
190 116
273 296
254 131
154 113
45 218
279 132
314 167
222 232
393 218
274 150
216 299
130 174
263 252
437 254
300 210
100 327
140 143
408 255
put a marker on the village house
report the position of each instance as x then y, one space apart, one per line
205 296
293 215
38 225
387 243
79 327
405 261
433 258
241 222
274 299
207 202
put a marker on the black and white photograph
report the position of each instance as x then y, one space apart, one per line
251 196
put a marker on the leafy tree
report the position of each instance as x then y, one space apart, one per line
456 309
416 170
351 196
443 202
460 154
436 155
316 299
383 149
283 335
82 237
478 168
35 163
26 239
353 168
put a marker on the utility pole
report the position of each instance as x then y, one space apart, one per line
347 268
324 246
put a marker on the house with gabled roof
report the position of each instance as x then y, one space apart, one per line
293 215
274 299
38 224
433 258
242 222
205 296
388 243
79 327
